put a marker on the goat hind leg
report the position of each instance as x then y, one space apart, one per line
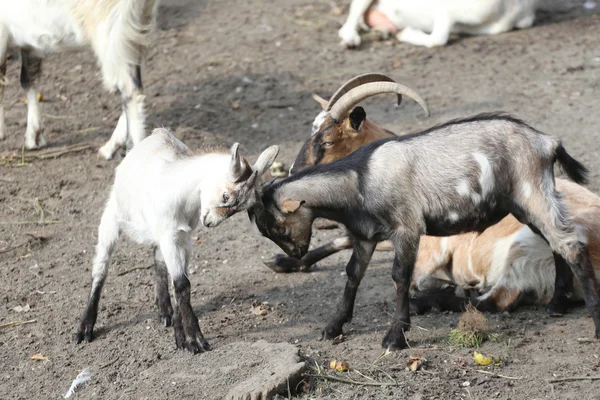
31 67
161 280
108 234
554 224
355 270
131 122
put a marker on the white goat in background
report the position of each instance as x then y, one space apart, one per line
161 191
117 31
409 20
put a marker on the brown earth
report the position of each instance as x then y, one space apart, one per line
270 56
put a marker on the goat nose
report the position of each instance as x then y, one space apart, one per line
205 221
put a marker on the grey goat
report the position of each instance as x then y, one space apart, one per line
461 176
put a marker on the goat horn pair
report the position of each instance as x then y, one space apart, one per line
357 81
363 86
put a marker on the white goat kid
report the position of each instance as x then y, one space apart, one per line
117 31
161 191
410 20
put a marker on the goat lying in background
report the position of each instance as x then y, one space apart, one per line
354 131
160 193
462 176
117 31
410 20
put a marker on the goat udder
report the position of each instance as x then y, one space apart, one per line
377 19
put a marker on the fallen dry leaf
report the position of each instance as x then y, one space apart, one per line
415 363
340 366
38 357
484 360
235 104
260 309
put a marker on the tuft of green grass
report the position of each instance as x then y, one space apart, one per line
465 340
496 337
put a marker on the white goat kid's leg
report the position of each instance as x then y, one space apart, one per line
161 281
349 31
176 251
442 27
108 234
30 72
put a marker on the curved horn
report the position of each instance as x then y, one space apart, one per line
358 94
357 81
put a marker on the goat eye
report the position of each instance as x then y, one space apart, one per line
281 230
225 197
327 144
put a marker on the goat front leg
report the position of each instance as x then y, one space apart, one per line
131 122
161 280
31 67
285 264
406 246
108 234
442 27
349 31
363 251
176 251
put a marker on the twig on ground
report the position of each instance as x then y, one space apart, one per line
575 378
9 249
351 381
498 375
131 270
109 363
17 323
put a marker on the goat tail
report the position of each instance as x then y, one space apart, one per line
575 170
122 39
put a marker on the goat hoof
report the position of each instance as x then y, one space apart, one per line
331 332
393 341
85 333
556 309
195 346
165 320
283 264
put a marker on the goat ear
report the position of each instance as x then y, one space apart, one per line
291 206
265 160
357 118
320 100
237 162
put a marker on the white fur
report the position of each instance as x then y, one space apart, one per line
486 179
532 268
318 122
463 188
526 189
430 22
117 31
453 216
160 193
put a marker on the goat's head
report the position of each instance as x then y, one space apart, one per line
287 222
341 127
236 190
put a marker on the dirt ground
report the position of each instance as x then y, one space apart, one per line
270 55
